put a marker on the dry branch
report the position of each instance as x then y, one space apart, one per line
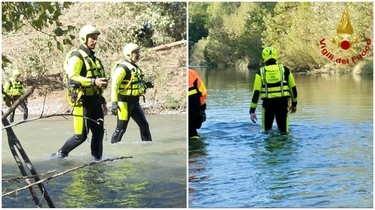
62 173
10 98
24 177
14 146
17 103
167 46
52 115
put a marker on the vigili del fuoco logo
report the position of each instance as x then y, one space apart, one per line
344 41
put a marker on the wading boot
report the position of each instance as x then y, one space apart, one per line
58 154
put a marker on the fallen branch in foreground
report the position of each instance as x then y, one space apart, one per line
18 102
62 173
52 115
26 177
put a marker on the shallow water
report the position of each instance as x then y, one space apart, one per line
325 161
154 177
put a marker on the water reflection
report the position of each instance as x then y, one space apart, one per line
275 142
197 151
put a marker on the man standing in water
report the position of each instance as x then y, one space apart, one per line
275 84
128 86
86 83
197 103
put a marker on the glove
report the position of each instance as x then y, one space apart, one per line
104 109
203 107
203 112
203 115
114 108
149 84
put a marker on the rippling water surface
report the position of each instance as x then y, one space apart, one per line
325 161
154 178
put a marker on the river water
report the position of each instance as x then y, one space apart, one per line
325 161
154 178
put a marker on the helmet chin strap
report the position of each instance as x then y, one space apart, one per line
87 47
134 59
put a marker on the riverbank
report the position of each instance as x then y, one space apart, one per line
166 68
56 103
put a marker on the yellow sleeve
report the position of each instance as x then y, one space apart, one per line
117 77
203 90
7 87
74 69
292 88
256 91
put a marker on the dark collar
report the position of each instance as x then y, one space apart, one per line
270 62
87 51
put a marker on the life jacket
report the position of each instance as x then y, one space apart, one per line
194 100
93 70
16 88
133 83
274 84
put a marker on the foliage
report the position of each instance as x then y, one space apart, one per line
197 20
16 15
145 23
242 29
163 21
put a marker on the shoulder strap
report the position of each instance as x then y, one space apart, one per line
125 66
10 82
263 72
281 79
79 53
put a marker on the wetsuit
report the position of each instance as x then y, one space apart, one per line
276 86
197 103
82 69
127 87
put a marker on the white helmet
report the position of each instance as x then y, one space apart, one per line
16 72
86 30
128 50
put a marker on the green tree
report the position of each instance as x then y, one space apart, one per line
237 32
295 29
197 22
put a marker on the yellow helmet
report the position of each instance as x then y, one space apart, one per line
129 48
268 53
86 30
16 72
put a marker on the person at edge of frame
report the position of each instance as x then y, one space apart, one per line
197 103
276 86
86 83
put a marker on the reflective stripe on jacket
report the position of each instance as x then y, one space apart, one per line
193 77
274 85
197 94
